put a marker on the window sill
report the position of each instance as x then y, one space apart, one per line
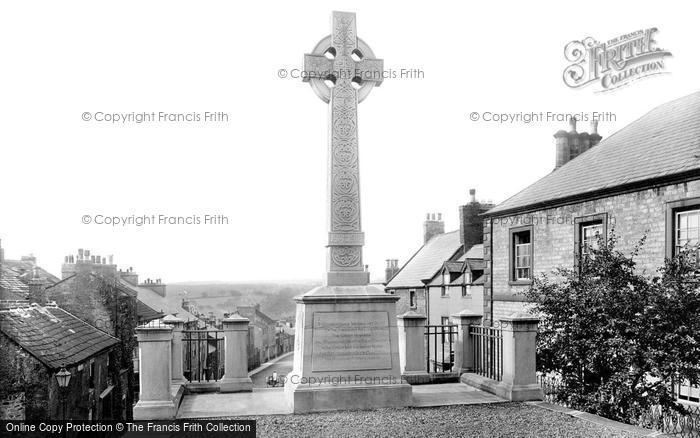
519 282
467 297
444 296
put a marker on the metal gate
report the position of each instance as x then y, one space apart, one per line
439 343
203 355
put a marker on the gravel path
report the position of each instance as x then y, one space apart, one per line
490 420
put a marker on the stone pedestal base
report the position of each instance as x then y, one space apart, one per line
346 354
154 410
317 398
236 384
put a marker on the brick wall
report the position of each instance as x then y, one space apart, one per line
631 215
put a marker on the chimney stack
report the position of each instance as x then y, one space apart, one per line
36 289
471 225
130 276
156 286
594 137
392 267
569 145
432 227
85 262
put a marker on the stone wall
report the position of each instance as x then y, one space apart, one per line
12 407
21 373
28 388
99 302
502 309
403 304
631 215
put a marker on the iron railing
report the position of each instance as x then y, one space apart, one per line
440 341
670 422
487 347
203 359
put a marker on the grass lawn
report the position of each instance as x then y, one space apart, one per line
487 420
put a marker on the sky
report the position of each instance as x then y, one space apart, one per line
265 167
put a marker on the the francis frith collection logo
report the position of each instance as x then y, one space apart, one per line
614 63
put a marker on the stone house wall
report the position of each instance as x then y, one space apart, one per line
631 215
28 389
100 303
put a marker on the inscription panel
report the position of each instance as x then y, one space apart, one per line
350 341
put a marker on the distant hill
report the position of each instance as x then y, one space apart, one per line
276 299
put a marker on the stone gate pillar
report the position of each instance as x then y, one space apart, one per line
411 328
155 399
235 355
178 326
519 381
464 351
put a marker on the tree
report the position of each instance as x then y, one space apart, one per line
618 338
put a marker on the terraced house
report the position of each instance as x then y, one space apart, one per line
644 180
445 275
91 288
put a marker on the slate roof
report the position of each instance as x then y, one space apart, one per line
475 252
456 266
12 286
476 264
52 335
427 261
143 311
158 304
146 313
25 271
662 143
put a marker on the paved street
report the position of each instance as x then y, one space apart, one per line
283 367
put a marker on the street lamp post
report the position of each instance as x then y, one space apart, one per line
63 378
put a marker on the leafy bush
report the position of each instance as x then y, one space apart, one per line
616 337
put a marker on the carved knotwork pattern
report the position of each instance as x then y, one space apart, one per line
345 193
344 33
346 256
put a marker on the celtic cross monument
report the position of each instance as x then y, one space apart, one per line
342 71
346 352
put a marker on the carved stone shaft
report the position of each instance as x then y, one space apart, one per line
340 61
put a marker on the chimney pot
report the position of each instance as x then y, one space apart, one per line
472 195
594 126
572 124
439 216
